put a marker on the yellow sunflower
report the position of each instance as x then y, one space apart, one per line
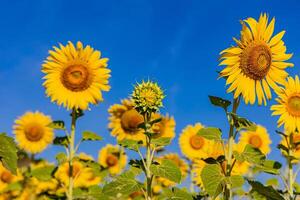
49 186
164 128
288 106
192 145
75 76
113 158
32 131
296 149
257 62
259 139
6 178
83 176
240 168
124 121
180 163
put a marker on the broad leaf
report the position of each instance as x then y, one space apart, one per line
176 194
236 181
210 133
214 179
130 144
269 166
58 125
61 158
162 141
89 135
43 173
253 155
217 101
8 153
167 169
61 141
267 191
241 123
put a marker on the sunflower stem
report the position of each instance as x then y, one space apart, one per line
290 170
71 154
149 158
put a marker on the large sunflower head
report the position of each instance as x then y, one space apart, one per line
288 107
192 145
259 139
75 76
113 158
179 162
257 62
147 97
124 121
32 131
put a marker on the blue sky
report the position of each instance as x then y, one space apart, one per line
175 43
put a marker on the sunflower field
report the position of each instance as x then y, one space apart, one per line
209 163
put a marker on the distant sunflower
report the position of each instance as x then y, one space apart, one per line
113 158
240 168
179 162
49 186
124 121
7 178
75 76
257 62
288 106
32 131
192 145
259 139
164 128
198 165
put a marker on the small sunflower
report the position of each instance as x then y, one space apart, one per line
49 186
257 63
32 132
113 158
164 128
259 139
192 145
288 106
124 121
75 76
240 168
7 178
147 97
83 176
180 163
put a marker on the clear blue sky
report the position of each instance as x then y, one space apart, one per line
173 42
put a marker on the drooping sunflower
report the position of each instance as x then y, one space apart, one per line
83 176
124 121
257 63
259 139
192 145
75 76
32 131
180 163
164 128
113 158
288 107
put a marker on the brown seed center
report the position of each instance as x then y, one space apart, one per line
293 105
34 132
256 61
255 141
76 78
131 119
6 177
197 142
111 160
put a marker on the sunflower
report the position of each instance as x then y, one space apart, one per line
75 76
257 62
192 145
259 139
7 178
83 176
124 121
296 143
49 186
113 158
179 162
32 131
288 106
164 128
240 168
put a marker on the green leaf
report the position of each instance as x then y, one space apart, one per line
167 169
61 158
241 123
210 133
155 121
236 181
58 125
214 179
130 144
297 187
8 153
282 147
162 141
43 173
217 101
176 194
267 191
253 155
269 166
136 163
272 182
89 135
61 141
16 186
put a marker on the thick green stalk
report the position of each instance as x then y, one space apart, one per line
71 154
147 118
290 171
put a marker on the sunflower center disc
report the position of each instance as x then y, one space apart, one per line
196 142
76 78
111 160
131 119
6 177
34 133
294 105
256 61
255 141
